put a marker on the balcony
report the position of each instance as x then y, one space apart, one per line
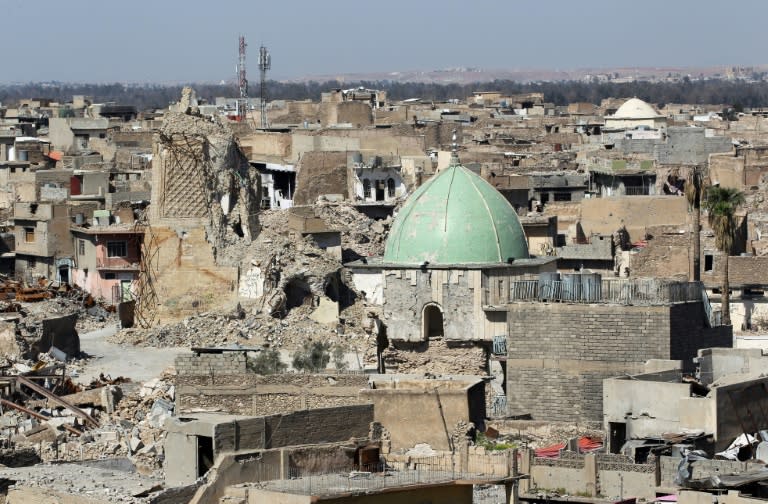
117 264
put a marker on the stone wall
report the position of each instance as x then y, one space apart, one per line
459 294
559 354
252 394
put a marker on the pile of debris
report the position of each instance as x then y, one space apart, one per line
256 328
361 235
45 411
298 276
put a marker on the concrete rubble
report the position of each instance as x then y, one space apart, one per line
297 274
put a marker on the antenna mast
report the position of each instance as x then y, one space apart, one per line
242 82
265 63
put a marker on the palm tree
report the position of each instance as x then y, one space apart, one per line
721 206
693 189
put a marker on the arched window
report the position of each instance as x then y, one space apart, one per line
390 188
366 188
432 322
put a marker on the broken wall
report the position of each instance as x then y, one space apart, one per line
59 332
205 201
253 394
321 173
200 174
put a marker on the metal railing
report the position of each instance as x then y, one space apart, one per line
610 291
637 190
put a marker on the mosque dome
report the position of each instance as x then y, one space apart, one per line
635 108
456 217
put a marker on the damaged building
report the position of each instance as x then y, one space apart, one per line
205 198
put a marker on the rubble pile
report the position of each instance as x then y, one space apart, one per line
91 314
129 417
255 329
92 483
296 274
361 236
436 358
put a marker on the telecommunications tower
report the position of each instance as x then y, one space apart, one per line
242 83
265 63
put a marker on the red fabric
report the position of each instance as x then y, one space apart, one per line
586 445
550 451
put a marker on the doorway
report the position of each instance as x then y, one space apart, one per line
432 322
64 274
618 436
204 455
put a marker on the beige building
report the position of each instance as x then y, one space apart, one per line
635 114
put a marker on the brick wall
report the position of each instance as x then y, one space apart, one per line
205 364
558 354
688 332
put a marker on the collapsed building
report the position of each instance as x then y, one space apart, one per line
205 198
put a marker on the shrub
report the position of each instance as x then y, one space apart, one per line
267 362
312 356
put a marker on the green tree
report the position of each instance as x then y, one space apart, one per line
267 362
312 356
721 206
338 358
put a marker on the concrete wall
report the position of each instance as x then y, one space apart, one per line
233 434
716 363
690 146
355 113
321 173
637 213
602 474
728 170
558 352
326 425
266 145
738 404
426 412
455 494
653 404
370 282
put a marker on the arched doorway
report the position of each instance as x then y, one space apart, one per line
432 322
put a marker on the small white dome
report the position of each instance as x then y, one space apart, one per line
635 108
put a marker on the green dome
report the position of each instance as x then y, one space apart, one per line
456 218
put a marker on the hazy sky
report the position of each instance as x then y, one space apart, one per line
196 40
